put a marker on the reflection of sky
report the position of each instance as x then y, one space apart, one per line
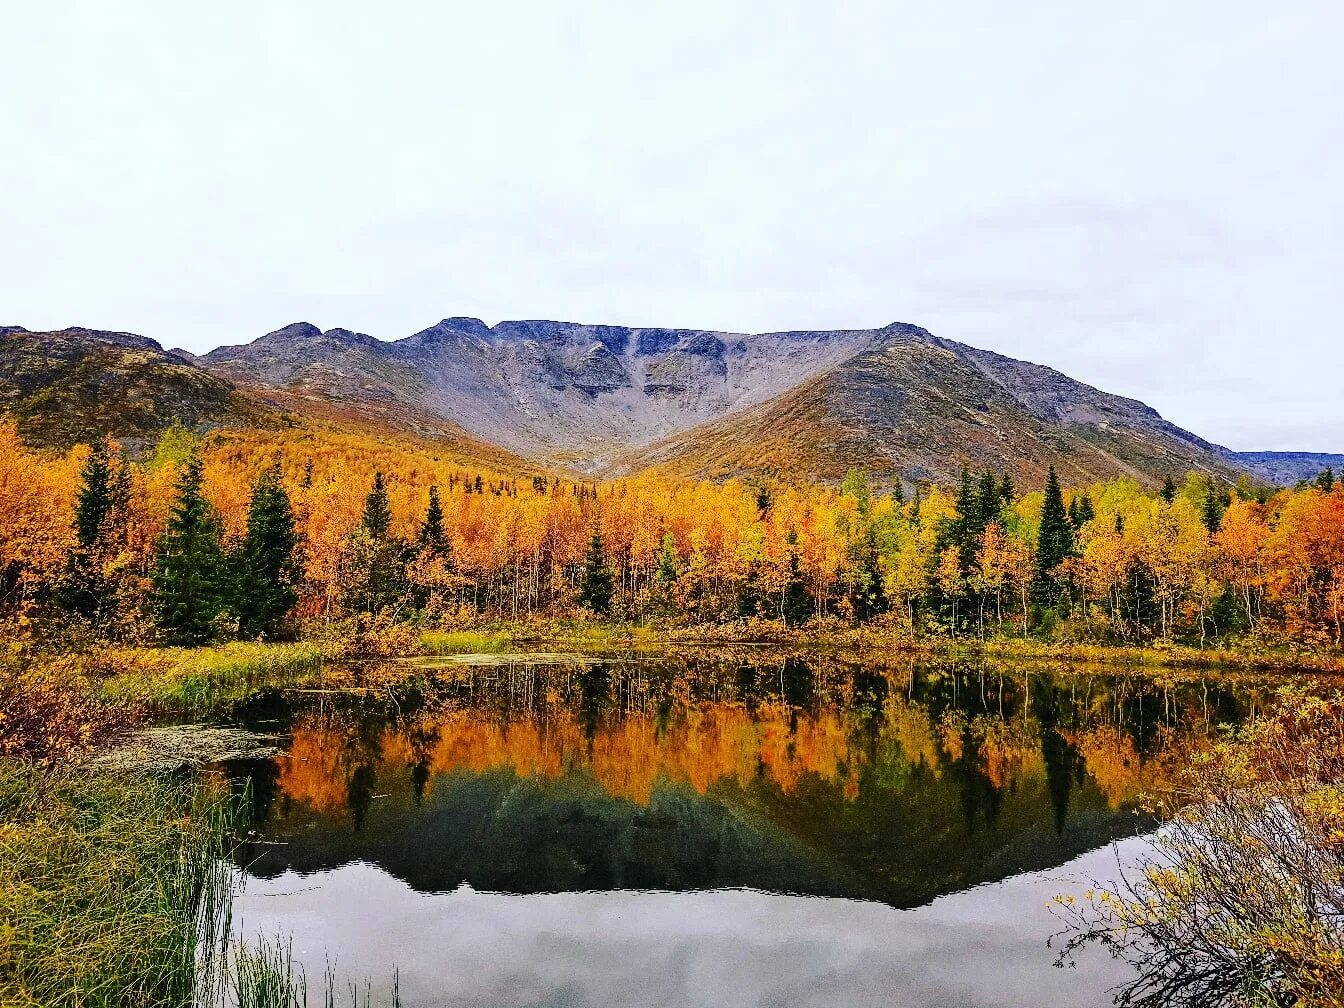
984 948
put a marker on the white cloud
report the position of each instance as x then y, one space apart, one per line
1148 201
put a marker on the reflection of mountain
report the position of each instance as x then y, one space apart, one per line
853 789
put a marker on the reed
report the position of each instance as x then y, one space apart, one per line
113 891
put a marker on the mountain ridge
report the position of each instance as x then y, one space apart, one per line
612 400
616 399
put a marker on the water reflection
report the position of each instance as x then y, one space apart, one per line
894 784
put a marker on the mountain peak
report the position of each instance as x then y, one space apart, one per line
295 330
449 329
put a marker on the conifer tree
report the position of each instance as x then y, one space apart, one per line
432 535
868 595
187 591
1325 482
374 560
595 587
1008 492
1086 512
1081 512
988 502
1168 489
377 511
795 602
95 498
1055 541
1213 509
669 560
82 588
266 567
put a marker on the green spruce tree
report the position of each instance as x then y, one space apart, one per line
1213 509
795 606
81 588
188 591
1055 539
377 511
595 586
374 560
94 501
432 536
868 594
266 568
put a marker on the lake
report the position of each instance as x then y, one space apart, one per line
723 831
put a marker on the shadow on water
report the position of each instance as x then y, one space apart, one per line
824 779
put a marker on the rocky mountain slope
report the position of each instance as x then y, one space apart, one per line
1286 468
572 393
915 407
612 399
75 384
897 401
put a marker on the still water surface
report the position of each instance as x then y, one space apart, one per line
569 832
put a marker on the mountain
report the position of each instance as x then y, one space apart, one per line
1286 468
612 400
74 384
917 407
897 401
577 394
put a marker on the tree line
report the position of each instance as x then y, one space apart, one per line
253 534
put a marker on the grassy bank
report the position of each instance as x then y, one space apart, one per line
864 642
114 884
197 681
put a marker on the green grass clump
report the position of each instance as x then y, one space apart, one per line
112 887
440 642
266 975
201 680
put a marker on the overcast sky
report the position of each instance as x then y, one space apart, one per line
1149 197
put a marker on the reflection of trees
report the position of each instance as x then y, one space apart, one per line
919 783
989 735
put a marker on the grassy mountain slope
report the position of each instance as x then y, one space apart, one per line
919 408
75 384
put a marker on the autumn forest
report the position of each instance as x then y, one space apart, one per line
254 534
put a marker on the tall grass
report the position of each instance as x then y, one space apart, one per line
439 642
113 890
115 893
266 975
200 681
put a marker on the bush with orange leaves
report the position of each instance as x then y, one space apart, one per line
1239 898
50 713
